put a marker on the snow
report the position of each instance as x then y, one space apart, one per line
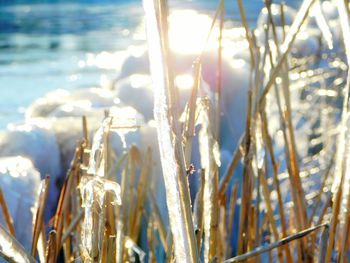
289 14
20 183
136 91
85 98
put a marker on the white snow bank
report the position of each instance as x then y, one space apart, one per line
136 91
289 15
20 183
64 102
37 143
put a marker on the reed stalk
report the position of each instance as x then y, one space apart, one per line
172 155
6 214
279 243
39 217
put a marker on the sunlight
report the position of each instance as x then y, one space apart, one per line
190 37
184 81
188 31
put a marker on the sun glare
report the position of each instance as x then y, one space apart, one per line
184 81
188 31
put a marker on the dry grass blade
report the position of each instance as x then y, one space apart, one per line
218 93
141 194
136 204
317 202
270 215
151 241
268 144
73 225
119 243
232 209
286 47
189 131
334 220
7 215
85 132
51 250
158 221
198 211
288 132
59 216
263 249
342 154
126 193
225 179
111 250
248 33
219 11
324 244
39 217
247 184
209 161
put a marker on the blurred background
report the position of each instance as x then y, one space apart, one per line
45 45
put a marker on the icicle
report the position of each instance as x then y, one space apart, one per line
317 12
125 120
121 121
96 162
93 191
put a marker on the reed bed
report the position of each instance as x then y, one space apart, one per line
284 207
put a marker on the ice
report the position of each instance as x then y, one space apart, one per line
124 122
96 162
210 161
165 140
20 183
93 190
317 13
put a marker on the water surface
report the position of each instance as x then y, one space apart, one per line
45 45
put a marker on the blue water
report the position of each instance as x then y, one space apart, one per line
45 45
